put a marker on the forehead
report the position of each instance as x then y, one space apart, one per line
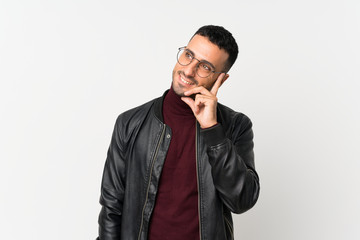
206 50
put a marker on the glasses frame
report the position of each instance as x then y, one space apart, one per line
197 65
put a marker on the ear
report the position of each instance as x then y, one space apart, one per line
224 79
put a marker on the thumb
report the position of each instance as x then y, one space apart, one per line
190 102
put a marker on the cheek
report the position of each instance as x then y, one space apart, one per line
209 83
175 70
177 67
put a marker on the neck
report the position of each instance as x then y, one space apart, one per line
174 105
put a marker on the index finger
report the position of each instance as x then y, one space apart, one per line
217 84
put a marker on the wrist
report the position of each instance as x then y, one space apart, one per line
213 135
207 126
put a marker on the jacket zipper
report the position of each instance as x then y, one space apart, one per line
197 175
148 187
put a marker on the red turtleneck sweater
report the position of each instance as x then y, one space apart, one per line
175 216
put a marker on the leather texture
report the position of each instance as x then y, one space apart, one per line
227 180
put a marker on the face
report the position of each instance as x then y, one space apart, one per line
185 77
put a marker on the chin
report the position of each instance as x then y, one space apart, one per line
178 90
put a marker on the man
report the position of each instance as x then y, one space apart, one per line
178 165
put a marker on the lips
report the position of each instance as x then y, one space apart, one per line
182 79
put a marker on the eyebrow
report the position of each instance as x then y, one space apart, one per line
204 61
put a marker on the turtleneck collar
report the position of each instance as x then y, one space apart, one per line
175 106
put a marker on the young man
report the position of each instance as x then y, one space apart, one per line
178 165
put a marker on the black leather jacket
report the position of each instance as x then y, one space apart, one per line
227 180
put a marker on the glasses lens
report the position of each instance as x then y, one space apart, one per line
184 57
203 69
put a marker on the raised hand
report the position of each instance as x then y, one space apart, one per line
205 102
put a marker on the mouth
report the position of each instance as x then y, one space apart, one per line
182 79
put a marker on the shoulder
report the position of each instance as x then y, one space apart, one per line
130 121
229 116
236 125
134 116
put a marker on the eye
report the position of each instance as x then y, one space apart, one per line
188 55
205 66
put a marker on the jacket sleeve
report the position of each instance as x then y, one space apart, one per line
232 164
112 189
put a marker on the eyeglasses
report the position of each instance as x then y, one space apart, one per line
203 68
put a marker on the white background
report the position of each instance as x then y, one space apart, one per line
68 68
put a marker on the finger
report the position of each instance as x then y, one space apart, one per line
199 103
217 84
204 98
197 90
190 102
202 101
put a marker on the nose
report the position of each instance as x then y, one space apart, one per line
190 70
